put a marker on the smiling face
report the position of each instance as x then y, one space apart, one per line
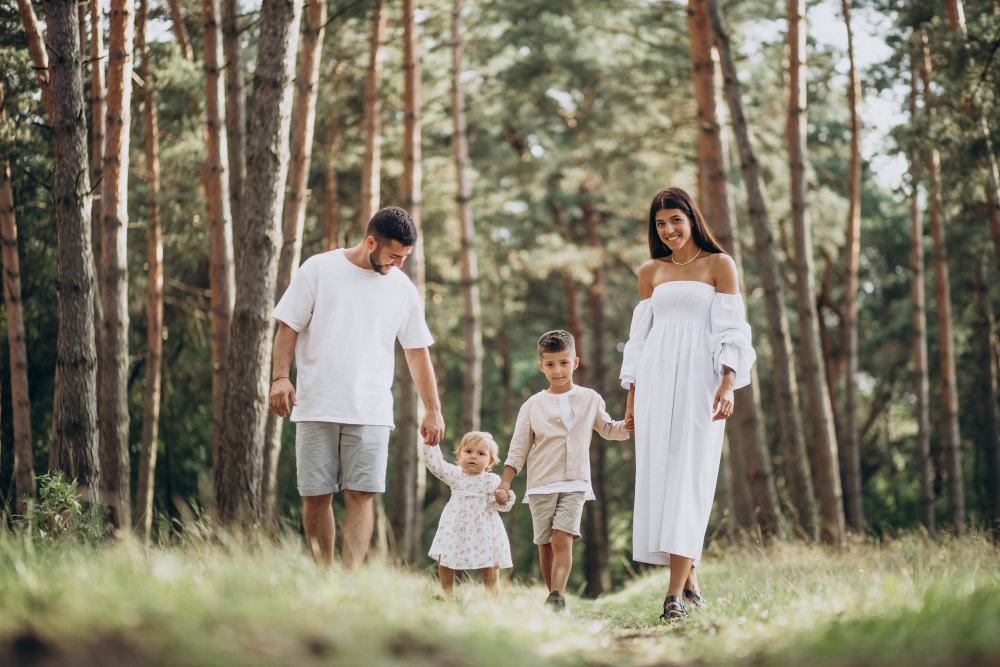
387 254
475 455
673 227
558 367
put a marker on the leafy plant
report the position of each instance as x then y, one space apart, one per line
58 511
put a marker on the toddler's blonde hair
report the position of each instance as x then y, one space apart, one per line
476 436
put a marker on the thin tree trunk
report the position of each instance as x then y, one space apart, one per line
596 552
993 205
98 125
221 280
24 465
749 455
154 289
990 444
472 382
237 471
406 498
371 170
180 30
787 399
849 327
331 194
956 15
918 301
39 55
942 294
236 112
294 212
113 396
571 294
81 17
75 439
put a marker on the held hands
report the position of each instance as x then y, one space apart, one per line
722 406
432 427
630 419
501 494
282 391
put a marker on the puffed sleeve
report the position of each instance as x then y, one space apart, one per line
642 321
731 340
446 472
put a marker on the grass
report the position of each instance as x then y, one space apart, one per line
904 602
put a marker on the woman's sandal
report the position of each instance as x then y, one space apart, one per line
693 598
673 610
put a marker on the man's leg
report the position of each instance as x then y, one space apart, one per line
545 562
358 523
562 560
317 519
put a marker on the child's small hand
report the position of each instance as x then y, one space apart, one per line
501 495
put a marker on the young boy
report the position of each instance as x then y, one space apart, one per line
553 434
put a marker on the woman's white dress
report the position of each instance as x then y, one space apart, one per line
470 534
680 340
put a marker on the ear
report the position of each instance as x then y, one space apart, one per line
576 363
370 243
540 366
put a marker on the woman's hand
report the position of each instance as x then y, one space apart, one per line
722 406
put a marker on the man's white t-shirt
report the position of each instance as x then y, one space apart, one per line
348 320
566 485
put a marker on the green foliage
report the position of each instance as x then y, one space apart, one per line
58 514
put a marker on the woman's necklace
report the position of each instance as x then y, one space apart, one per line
673 261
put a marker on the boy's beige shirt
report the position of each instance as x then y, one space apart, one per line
554 454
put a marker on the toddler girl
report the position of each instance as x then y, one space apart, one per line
470 534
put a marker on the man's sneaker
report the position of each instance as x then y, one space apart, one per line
555 602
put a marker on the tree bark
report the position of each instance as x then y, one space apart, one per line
294 212
849 327
39 55
749 455
331 194
180 30
237 471
796 459
236 112
956 15
220 220
98 127
571 294
596 552
408 483
371 170
75 439
990 443
24 466
918 301
154 289
114 422
817 393
942 294
993 205
472 382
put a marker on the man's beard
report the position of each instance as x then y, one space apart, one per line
381 269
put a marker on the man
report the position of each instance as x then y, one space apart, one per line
341 316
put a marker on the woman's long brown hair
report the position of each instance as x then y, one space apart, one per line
675 198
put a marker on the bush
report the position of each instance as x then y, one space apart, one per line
58 513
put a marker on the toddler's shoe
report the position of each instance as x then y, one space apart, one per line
555 602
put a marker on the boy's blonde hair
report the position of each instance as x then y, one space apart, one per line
491 444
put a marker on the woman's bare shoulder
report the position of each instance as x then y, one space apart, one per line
724 273
646 274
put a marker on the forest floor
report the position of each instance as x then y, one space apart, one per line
900 602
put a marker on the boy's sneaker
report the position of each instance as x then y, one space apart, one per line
555 602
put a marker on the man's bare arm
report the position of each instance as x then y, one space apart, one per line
419 361
281 355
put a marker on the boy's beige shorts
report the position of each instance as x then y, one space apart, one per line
556 511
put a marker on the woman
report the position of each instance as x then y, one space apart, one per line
689 348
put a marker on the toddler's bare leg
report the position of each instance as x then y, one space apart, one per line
490 577
447 577
545 562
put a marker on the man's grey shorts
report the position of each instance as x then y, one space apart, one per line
555 511
333 457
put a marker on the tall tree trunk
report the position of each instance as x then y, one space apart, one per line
849 326
75 439
956 15
942 294
817 394
238 467
596 552
220 221
98 126
472 382
990 444
570 292
180 30
918 301
236 112
749 455
407 496
371 170
993 206
331 194
796 459
24 473
39 55
154 289
113 396
294 212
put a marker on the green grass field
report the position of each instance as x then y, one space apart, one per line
905 602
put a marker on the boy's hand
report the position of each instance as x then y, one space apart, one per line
501 494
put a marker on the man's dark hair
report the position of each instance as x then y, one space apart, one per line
556 341
392 224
